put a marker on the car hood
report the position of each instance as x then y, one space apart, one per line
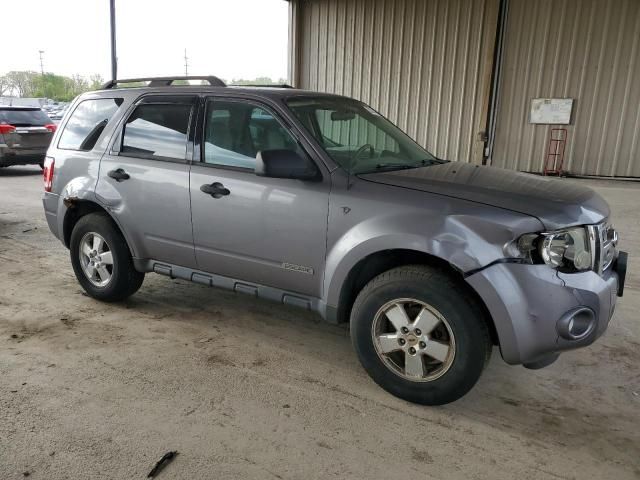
556 203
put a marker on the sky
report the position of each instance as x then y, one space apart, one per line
228 38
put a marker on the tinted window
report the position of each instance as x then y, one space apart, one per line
87 123
236 131
157 131
24 117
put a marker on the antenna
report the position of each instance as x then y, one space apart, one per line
41 62
186 63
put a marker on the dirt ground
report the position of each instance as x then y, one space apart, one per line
245 389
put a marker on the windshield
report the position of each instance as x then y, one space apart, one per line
357 137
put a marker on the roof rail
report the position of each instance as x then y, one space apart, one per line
164 81
266 85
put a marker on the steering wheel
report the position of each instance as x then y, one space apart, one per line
360 151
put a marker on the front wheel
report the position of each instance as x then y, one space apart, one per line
101 259
418 336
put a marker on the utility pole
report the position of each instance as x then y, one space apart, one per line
114 59
186 63
41 62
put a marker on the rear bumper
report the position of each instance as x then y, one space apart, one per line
51 204
532 305
21 156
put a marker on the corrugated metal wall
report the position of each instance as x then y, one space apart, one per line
588 50
425 64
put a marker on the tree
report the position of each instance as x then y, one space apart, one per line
96 81
258 81
21 83
63 89
5 86
49 85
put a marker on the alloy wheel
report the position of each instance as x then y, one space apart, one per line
413 339
96 259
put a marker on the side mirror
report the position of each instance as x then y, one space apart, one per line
285 164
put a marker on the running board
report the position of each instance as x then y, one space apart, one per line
240 286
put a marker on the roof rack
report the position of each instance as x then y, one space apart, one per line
164 81
272 85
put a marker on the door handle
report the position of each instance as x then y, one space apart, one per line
118 175
216 190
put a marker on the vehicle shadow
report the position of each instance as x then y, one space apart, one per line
549 409
20 171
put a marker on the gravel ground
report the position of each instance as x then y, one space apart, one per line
247 389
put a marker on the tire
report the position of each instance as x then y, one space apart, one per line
123 279
434 300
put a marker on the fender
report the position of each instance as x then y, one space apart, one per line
78 189
467 241
81 189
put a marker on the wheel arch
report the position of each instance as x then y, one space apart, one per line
78 208
372 265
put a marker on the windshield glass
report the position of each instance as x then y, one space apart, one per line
357 137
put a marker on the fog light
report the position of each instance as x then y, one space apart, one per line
576 324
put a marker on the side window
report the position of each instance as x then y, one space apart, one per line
157 130
236 131
268 134
87 123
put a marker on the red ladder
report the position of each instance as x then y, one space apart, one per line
555 152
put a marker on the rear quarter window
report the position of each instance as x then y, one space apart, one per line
87 122
157 131
24 117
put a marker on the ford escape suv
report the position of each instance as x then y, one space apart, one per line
318 201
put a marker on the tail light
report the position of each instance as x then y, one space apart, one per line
6 128
51 127
47 174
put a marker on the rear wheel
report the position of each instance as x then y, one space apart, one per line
418 336
101 259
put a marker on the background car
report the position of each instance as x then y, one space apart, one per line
25 134
58 113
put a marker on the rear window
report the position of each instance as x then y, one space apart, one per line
24 117
87 123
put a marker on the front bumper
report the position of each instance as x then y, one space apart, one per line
529 303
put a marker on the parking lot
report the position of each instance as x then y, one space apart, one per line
242 388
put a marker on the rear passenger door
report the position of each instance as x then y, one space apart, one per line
144 178
266 231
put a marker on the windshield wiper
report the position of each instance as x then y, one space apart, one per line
395 166
430 161
402 166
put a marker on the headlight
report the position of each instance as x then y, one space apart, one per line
567 250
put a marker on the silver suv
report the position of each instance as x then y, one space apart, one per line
318 201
